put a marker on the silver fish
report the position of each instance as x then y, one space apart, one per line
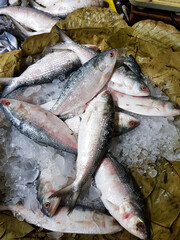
94 137
39 125
126 81
8 42
122 197
130 62
85 83
63 8
122 124
82 220
148 106
53 65
47 184
31 18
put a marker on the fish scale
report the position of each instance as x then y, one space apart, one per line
95 134
39 125
53 65
122 197
83 84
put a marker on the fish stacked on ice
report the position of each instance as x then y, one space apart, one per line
84 92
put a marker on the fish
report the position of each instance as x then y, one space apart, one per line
123 123
122 197
63 8
31 18
125 81
95 134
131 63
82 220
125 71
51 66
8 42
39 125
81 87
48 184
147 106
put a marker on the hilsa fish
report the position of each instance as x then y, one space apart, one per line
82 220
126 75
123 123
148 106
63 8
95 134
53 65
31 18
122 197
41 126
83 84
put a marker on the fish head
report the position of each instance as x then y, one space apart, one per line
50 205
172 109
126 121
125 81
107 61
134 220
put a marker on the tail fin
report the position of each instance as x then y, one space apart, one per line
6 81
62 191
63 36
74 198
10 88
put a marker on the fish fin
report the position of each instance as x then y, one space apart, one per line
62 191
91 46
10 88
74 198
6 81
63 36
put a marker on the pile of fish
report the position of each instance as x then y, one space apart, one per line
82 118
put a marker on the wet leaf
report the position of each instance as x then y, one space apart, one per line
169 177
164 208
145 182
13 227
165 74
10 63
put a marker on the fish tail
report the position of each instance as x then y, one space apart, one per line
6 81
10 88
63 36
62 191
74 198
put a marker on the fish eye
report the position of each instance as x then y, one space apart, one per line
111 54
7 103
46 205
143 88
141 227
176 106
132 123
